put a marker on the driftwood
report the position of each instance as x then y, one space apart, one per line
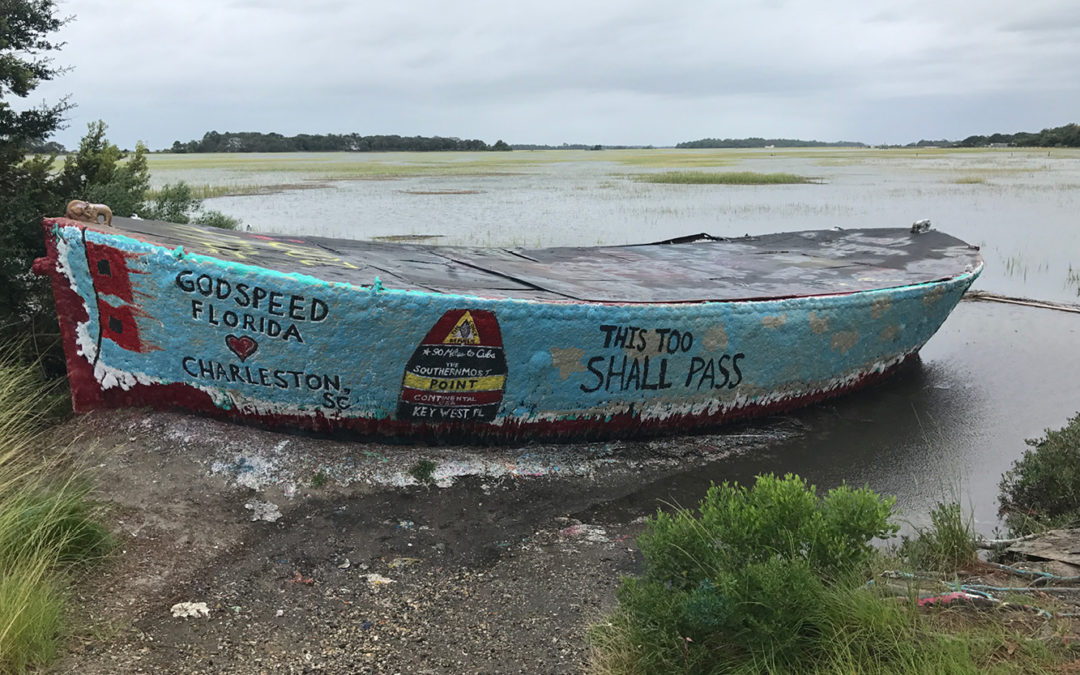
1060 545
985 296
991 544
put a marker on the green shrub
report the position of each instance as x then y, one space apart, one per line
217 219
1042 488
100 172
741 580
30 190
948 545
772 579
173 203
424 471
778 518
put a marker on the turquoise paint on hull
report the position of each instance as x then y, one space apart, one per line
270 343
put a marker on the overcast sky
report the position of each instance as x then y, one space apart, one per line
582 71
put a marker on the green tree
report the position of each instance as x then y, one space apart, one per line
26 190
100 172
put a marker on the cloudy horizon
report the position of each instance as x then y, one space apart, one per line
614 73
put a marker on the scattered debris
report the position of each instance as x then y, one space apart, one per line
593 533
298 578
1059 545
344 564
263 511
403 562
377 579
184 610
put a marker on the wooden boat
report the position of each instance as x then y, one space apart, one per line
449 343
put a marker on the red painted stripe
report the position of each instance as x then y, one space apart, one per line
625 425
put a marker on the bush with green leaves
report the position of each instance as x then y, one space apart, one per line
97 172
101 173
176 203
742 579
1042 488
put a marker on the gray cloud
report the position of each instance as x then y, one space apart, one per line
632 71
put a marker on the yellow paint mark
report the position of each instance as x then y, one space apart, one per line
463 332
889 333
715 338
819 324
933 295
568 360
774 321
844 341
879 306
488 383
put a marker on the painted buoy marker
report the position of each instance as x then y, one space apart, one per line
458 373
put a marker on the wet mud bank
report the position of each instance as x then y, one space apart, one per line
315 555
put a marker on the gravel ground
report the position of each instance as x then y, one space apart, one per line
315 555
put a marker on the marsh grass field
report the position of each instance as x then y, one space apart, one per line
1017 204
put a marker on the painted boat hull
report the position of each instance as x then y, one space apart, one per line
148 325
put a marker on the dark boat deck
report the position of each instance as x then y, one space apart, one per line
690 269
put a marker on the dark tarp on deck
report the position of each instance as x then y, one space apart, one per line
691 269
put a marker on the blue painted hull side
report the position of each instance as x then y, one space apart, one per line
266 345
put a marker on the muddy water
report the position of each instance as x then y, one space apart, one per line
944 429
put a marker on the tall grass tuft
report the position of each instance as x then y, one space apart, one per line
726 178
47 524
948 545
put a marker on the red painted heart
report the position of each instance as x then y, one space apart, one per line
241 346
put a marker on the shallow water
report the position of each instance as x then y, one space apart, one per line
946 428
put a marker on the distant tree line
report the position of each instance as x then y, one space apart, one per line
254 141
577 146
1067 136
765 142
